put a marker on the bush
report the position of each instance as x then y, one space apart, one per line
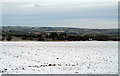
9 38
3 38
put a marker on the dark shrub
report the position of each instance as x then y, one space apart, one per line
9 38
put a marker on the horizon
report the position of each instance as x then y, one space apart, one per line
61 27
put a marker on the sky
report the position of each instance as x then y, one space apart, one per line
51 13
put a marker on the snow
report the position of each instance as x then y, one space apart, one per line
79 57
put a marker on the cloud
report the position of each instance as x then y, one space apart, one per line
76 14
30 5
27 5
60 0
36 5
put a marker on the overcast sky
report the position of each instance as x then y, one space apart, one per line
61 14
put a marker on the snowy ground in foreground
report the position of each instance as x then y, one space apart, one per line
59 57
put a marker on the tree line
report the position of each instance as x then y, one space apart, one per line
57 37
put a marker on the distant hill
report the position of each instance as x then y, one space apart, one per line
80 31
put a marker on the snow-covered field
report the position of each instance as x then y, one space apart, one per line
80 57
